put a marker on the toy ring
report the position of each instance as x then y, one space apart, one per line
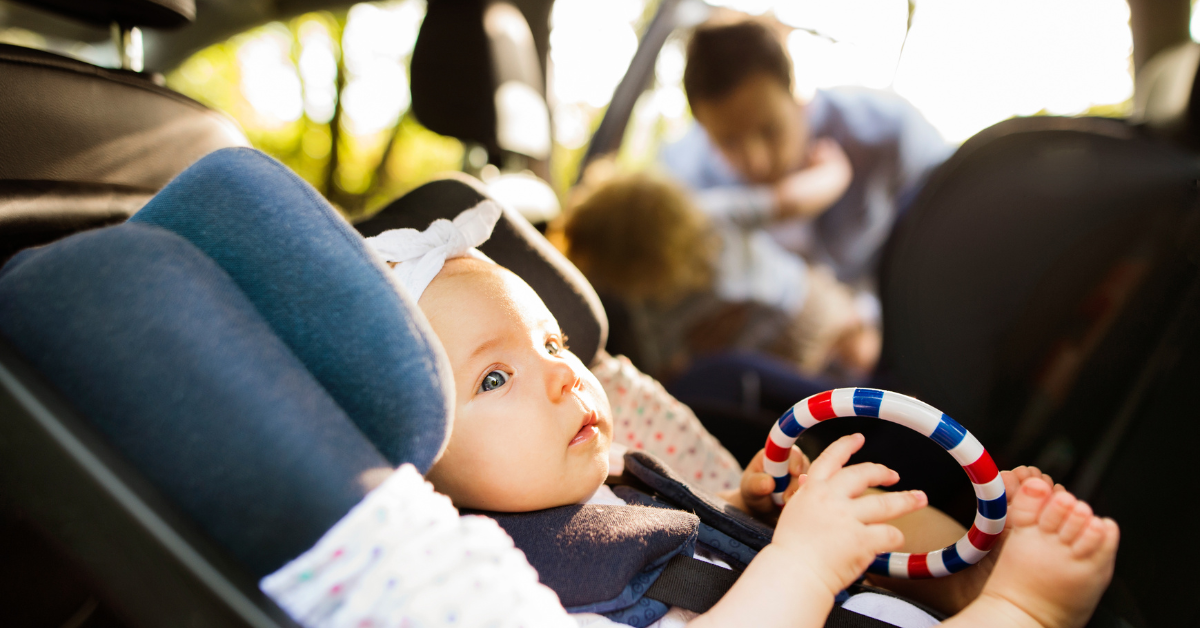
916 415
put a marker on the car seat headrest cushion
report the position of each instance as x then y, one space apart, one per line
155 345
312 279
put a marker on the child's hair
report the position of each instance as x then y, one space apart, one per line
638 237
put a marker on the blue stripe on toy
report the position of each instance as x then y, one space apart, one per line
880 564
953 562
866 401
789 424
948 433
993 508
781 483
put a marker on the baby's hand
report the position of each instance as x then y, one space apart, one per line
829 524
754 495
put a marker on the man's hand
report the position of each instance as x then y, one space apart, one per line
754 495
831 524
808 192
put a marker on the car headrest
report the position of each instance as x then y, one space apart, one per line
152 342
497 98
514 244
148 13
85 146
1165 96
329 300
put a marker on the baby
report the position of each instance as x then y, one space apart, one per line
532 430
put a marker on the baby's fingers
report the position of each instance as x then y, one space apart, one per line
858 478
835 456
881 507
881 537
756 491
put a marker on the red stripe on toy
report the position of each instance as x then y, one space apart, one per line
918 566
775 453
821 406
983 470
982 542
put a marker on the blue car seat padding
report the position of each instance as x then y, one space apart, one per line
161 351
311 278
516 245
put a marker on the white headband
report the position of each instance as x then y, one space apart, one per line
420 255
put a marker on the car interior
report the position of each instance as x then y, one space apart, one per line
1043 289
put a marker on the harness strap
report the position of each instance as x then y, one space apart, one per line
697 586
692 584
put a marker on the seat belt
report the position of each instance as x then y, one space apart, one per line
697 586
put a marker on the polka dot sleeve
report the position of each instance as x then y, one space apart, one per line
404 557
647 417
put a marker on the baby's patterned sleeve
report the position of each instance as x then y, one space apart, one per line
404 557
646 417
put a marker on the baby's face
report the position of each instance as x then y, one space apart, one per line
532 426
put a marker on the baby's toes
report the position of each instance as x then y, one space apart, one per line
1056 511
1077 520
1028 501
1093 537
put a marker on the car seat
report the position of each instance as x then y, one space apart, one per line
182 419
86 146
207 384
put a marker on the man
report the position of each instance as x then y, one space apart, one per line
828 176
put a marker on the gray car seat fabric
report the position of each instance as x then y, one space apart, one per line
160 350
514 244
312 279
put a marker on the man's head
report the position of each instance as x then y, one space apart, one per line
532 425
738 81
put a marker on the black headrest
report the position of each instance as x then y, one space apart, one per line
514 244
497 95
85 146
148 13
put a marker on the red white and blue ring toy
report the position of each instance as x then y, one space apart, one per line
924 418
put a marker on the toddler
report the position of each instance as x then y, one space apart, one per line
532 430
640 238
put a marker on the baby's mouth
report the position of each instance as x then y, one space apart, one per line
588 430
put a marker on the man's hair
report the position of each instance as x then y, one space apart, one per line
720 57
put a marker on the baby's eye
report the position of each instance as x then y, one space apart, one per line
493 380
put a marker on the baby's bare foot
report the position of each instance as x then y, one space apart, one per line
1058 558
1056 562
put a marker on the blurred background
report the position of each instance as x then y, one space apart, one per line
327 92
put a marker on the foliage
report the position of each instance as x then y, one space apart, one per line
356 169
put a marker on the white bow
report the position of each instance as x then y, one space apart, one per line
420 255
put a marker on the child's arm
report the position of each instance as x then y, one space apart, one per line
808 192
828 533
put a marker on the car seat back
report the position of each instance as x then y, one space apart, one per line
1043 290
